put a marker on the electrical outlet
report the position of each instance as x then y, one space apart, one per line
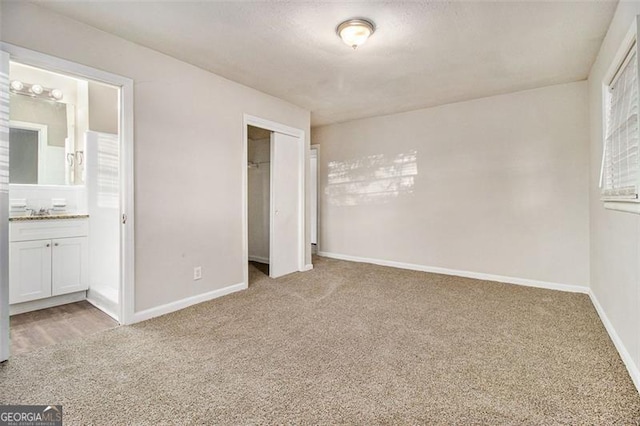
197 273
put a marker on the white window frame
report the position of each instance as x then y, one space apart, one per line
629 43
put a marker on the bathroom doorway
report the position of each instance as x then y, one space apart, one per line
67 241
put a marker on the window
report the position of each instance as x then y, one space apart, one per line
620 175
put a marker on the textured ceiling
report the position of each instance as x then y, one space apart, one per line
424 53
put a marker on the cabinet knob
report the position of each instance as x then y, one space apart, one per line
56 244
48 245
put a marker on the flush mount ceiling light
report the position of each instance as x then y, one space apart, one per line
355 32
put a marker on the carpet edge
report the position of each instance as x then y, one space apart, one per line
186 302
572 288
626 357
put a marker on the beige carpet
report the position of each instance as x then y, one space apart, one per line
345 343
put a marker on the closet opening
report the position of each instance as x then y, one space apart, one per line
274 185
258 201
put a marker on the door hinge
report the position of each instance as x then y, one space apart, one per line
124 219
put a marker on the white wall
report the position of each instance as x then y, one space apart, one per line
188 152
615 236
496 185
103 108
258 199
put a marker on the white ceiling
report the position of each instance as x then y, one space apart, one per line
424 53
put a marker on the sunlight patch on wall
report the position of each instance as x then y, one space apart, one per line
375 179
4 132
103 169
108 168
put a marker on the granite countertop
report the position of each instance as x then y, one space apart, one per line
49 217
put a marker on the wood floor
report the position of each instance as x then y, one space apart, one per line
45 327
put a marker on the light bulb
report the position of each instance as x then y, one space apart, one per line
37 89
17 85
56 94
355 32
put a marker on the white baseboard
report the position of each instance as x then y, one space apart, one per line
103 303
184 303
259 259
48 302
632 368
459 273
307 267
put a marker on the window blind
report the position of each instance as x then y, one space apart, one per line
620 165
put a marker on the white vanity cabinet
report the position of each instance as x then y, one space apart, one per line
29 270
47 258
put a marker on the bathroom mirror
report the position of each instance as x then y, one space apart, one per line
41 145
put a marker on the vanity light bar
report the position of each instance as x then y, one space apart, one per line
36 90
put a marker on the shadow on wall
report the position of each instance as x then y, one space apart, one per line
375 179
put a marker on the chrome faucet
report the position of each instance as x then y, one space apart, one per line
41 212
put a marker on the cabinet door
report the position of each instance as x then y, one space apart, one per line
29 270
70 263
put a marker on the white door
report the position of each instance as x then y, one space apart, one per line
29 270
69 265
4 206
313 195
286 178
102 161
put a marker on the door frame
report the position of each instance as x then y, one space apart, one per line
316 147
127 214
250 120
4 207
